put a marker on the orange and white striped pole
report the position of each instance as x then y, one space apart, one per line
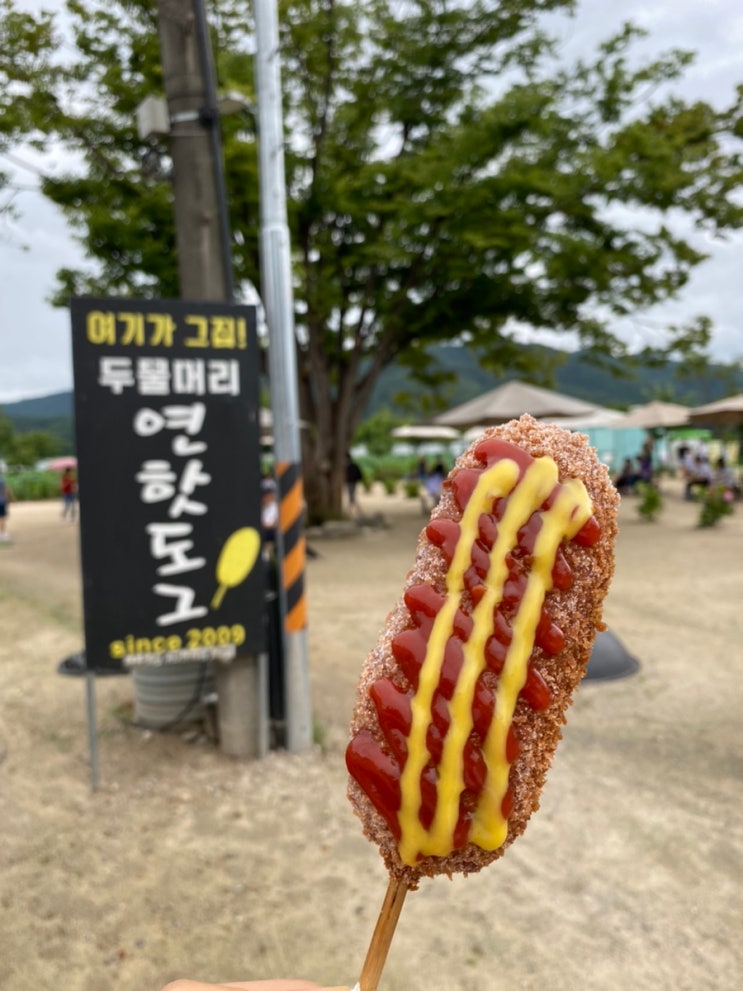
293 546
291 552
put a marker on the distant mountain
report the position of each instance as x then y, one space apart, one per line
43 407
573 374
51 414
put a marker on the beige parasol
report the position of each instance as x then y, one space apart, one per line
425 431
723 412
655 415
509 401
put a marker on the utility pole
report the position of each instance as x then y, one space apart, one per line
202 225
276 285
205 273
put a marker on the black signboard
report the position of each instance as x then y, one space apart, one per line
168 446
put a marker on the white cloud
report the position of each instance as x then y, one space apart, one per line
35 356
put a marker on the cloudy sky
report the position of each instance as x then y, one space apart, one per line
35 351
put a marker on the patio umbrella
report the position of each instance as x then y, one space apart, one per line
602 416
509 401
599 416
655 415
425 431
724 412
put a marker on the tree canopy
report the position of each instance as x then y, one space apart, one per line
28 447
448 179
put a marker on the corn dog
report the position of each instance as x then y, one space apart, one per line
461 703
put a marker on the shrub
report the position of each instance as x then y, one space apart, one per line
651 501
412 488
27 485
717 502
388 471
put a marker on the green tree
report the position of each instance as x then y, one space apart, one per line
6 437
28 448
376 432
447 179
25 448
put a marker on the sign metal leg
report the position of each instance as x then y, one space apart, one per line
92 732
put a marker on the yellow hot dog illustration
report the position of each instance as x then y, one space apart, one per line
236 561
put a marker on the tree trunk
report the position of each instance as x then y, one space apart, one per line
326 439
332 412
324 467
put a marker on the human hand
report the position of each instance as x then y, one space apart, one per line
272 985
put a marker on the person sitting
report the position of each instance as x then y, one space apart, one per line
724 477
627 478
434 481
645 467
269 514
699 476
686 463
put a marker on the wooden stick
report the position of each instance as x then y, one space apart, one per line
381 939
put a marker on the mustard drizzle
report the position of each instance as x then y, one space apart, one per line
569 511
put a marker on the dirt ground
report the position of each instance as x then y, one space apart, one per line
188 862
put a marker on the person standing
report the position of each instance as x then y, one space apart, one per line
354 475
68 490
4 500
